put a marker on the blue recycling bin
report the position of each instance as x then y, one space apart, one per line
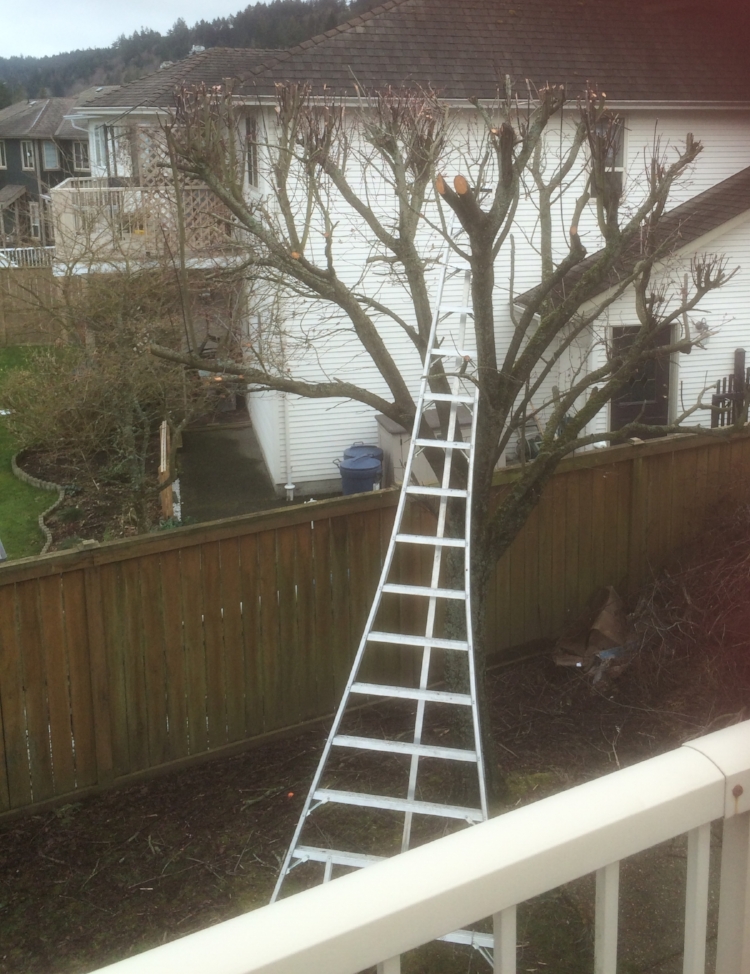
359 473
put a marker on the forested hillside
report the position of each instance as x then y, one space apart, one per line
278 24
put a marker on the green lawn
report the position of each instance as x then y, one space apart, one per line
20 505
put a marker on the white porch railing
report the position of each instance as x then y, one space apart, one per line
373 916
26 256
99 219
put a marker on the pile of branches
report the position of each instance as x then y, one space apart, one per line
693 624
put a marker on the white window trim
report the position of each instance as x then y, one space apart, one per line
83 144
252 152
3 155
45 148
32 167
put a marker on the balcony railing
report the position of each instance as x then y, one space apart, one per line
15 257
102 219
373 916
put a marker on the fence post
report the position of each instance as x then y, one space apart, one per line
637 553
733 940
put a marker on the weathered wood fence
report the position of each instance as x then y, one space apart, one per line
148 653
21 289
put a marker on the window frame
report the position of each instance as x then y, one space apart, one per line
49 145
617 166
3 155
35 220
83 147
252 169
27 146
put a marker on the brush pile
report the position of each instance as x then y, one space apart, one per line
693 626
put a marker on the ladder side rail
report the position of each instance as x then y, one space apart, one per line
376 601
469 624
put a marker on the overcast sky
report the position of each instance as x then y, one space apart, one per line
53 26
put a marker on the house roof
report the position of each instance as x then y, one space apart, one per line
156 90
9 194
685 224
645 50
36 119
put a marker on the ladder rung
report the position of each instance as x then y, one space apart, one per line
455 353
412 693
455 309
307 853
398 804
448 397
472 938
431 642
444 444
437 491
405 747
429 539
393 588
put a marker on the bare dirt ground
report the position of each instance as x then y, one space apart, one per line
92 882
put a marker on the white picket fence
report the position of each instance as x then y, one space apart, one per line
373 916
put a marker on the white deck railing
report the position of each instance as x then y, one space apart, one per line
26 256
373 916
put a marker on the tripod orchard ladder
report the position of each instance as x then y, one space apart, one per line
364 843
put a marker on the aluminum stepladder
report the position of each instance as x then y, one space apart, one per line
445 343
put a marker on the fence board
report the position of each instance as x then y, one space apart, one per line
155 667
143 652
178 745
80 665
16 780
37 712
56 673
234 650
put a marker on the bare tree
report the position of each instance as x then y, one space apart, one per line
332 173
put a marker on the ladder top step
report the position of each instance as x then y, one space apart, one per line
412 693
437 491
444 444
306 853
456 309
448 397
405 747
429 539
471 938
428 642
393 588
398 804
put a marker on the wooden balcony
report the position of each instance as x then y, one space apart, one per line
101 220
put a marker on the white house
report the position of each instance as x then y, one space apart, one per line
667 68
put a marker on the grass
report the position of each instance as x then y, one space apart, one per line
20 505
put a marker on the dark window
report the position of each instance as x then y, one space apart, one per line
609 140
81 155
3 160
252 151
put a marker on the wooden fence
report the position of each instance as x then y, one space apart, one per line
21 289
144 654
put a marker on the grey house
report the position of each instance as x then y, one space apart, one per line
39 148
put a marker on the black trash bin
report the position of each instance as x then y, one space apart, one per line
359 474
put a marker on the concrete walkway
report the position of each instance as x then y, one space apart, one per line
223 474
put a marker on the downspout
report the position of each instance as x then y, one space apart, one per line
289 486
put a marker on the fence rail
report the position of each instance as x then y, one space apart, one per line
373 916
141 654
14 257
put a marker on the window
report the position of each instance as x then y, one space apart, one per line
3 160
609 140
251 141
51 155
34 219
27 155
100 147
81 155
